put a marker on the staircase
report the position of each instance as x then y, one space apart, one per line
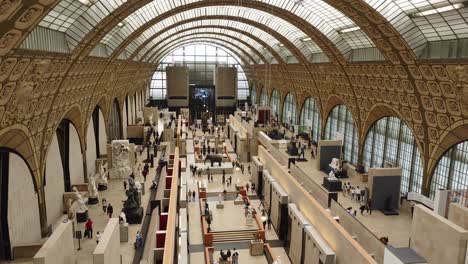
233 236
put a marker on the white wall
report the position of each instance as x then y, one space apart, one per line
23 208
90 150
102 135
108 249
55 185
76 158
59 248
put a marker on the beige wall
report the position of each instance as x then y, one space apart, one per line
108 249
177 85
55 185
458 215
23 208
90 150
226 85
59 248
335 235
76 158
437 239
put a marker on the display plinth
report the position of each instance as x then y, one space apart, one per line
82 217
102 187
256 248
219 206
93 200
124 233
332 185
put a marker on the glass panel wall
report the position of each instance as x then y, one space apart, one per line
264 97
289 110
310 116
201 59
274 103
390 142
341 120
452 170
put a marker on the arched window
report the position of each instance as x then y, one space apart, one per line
310 116
390 142
201 59
289 110
253 96
274 103
114 122
264 97
452 170
341 120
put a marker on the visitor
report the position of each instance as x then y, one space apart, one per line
362 208
247 187
104 205
358 194
144 173
235 258
269 223
125 185
223 178
355 213
110 210
230 180
146 167
264 224
98 237
138 240
353 192
228 253
189 195
193 195
89 229
253 187
248 168
242 168
369 206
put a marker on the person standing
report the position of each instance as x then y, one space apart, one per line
125 185
89 229
269 223
248 169
235 258
369 206
224 178
253 187
247 186
104 205
189 195
230 180
362 208
110 210
98 237
193 195
228 253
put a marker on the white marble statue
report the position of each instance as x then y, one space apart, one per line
150 119
122 218
220 198
277 261
120 159
92 190
102 176
331 175
81 202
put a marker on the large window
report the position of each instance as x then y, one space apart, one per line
310 116
341 120
391 143
201 60
253 96
289 110
274 103
264 97
451 172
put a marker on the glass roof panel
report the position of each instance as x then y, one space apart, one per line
191 41
256 45
204 36
267 38
115 37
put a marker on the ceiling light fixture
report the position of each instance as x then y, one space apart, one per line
306 39
351 29
281 44
439 10
121 24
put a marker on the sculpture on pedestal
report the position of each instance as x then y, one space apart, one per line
120 159
102 178
92 190
80 200
132 208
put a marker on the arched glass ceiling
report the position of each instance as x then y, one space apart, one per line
244 57
283 52
119 34
186 35
415 20
307 47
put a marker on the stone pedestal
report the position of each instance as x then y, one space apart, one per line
256 248
102 187
93 200
219 206
82 217
124 233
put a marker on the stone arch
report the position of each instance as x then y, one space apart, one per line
115 120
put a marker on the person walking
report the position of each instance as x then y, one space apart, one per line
269 223
189 195
230 180
235 258
362 208
125 185
89 229
98 237
369 206
193 195
104 205
110 210
247 186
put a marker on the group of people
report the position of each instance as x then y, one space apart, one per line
228 255
107 207
89 231
191 195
